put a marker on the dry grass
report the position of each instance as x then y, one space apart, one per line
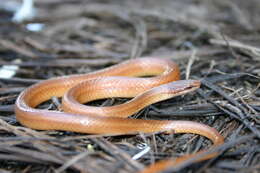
215 41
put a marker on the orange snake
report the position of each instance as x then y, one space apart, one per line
122 80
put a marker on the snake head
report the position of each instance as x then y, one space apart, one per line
182 87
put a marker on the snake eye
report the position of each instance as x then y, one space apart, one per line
189 87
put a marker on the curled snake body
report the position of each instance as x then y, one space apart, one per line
122 80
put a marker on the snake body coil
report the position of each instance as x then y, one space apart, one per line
122 80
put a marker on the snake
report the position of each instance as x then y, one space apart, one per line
145 80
